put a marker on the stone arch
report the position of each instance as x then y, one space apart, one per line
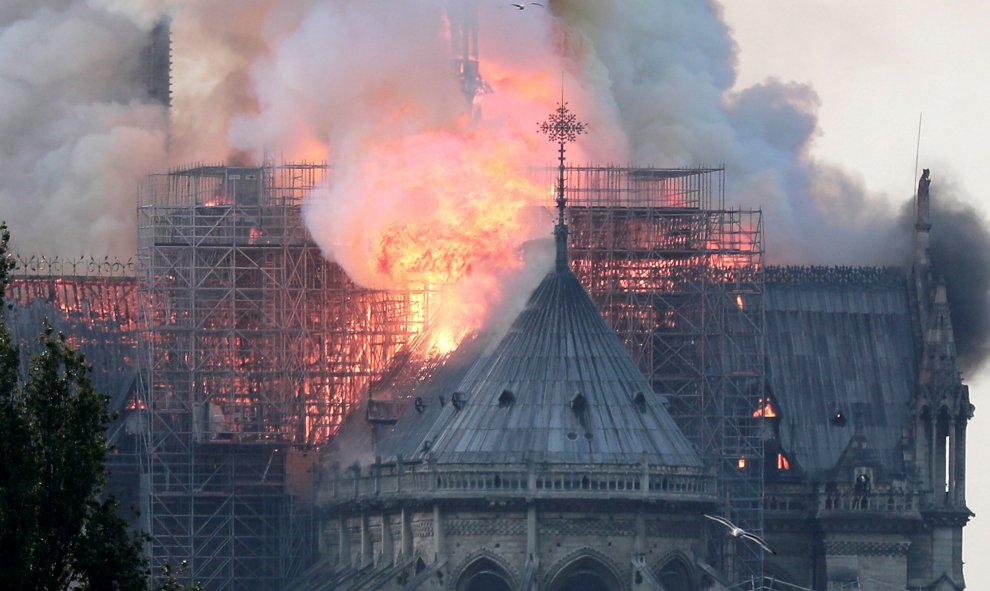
485 571
584 570
675 572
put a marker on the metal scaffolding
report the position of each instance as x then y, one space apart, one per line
680 278
256 348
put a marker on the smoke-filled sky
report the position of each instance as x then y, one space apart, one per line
367 86
811 106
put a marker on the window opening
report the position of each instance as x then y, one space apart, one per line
765 408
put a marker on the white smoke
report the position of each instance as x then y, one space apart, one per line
77 131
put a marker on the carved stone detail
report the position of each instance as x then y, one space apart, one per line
596 527
851 548
486 527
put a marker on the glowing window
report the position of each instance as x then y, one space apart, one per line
765 408
741 463
135 403
782 462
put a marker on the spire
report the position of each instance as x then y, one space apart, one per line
562 127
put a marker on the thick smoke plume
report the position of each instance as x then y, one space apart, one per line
960 252
424 189
77 130
668 68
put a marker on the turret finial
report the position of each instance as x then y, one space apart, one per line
923 214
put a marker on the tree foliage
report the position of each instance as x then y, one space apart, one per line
57 530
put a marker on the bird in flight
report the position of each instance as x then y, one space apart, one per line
523 6
737 532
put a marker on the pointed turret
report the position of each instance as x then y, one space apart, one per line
939 365
922 259
560 387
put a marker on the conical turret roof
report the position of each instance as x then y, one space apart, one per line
559 387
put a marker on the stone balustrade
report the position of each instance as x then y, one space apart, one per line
390 481
882 502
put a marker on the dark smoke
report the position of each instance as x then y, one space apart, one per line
960 252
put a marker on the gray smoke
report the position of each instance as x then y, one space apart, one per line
668 67
653 78
77 129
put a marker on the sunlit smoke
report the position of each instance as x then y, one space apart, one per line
424 192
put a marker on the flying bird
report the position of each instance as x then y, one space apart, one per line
523 6
738 532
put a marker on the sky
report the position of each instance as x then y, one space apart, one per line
876 67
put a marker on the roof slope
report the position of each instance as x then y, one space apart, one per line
576 395
840 344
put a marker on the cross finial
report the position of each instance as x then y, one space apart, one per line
562 127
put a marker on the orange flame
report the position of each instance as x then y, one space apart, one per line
765 409
443 209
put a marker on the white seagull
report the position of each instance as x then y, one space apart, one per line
523 6
737 532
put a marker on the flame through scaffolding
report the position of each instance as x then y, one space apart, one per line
248 336
277 343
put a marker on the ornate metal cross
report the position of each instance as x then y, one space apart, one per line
562 127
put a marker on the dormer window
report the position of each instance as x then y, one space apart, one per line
783 464
765 408
639 401
579 404
506 398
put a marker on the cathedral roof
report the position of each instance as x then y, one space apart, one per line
841 357
558 387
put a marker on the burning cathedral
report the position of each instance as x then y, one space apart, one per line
282 427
